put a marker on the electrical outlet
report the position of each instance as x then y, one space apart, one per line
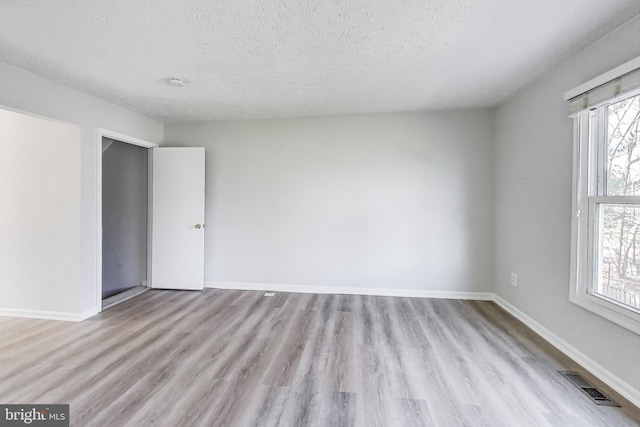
514 279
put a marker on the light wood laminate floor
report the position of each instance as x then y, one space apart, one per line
237 358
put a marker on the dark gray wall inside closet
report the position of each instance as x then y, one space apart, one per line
124 216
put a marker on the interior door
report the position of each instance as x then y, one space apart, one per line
177 245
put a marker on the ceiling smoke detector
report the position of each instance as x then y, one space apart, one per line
175 82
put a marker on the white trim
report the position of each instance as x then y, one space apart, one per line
621 315
616 383
149 280
124 138
48 315
98 261
623 69
100 133
308 289
87 314
621 201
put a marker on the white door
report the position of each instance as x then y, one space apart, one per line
177 245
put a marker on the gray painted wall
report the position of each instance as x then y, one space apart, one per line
533 205
394 201
124 217
25 91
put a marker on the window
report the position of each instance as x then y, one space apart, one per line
606 203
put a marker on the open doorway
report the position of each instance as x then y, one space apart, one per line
125 220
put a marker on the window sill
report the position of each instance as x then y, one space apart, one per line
610 311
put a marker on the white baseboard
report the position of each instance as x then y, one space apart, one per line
306 289
619 385
87 314
49 315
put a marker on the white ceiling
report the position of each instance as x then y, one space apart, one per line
278 58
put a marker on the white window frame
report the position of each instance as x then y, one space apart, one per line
587 194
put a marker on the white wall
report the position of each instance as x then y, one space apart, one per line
40 214
25 91
533 206
395 201
124 217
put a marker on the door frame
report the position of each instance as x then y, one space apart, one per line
120 137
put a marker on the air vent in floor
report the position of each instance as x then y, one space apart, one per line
594 394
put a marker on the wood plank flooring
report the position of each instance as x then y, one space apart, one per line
237 358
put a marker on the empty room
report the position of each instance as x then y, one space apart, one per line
341 213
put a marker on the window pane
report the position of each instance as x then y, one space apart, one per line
619 254
623 148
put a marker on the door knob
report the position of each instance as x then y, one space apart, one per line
199 226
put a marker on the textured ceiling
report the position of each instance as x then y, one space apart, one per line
278 58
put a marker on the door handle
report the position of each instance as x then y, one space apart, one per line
199 226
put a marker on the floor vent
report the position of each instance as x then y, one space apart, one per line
593 393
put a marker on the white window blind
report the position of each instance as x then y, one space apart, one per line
606 87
